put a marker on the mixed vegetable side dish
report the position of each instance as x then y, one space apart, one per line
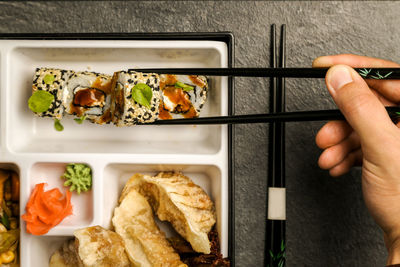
9 218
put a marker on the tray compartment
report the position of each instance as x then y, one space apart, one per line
27 133
39 249
82 205
209 177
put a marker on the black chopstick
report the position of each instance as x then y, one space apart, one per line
281 108
275 237
366 73
316 115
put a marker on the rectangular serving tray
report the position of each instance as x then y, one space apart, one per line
32 147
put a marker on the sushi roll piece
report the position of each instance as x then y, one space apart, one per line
88 96
136 98
182 95
47 92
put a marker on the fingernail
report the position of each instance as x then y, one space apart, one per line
338 77
324 61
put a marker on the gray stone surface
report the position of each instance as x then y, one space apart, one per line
327 224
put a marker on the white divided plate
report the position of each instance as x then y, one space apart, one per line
32 147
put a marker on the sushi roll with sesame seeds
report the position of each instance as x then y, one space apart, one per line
47 92
136 98
88 96
182 95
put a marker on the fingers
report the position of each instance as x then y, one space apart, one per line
362 109
334 155
383 99
332 133
390 89
354 61
352 159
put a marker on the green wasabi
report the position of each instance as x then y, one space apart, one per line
40 101
78 177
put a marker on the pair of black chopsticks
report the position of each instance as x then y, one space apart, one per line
367 73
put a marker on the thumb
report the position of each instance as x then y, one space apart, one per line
362 109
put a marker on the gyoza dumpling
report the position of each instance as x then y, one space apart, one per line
66 256
176 199
145 244
101 247
92 247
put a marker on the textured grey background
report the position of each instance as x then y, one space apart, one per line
327 223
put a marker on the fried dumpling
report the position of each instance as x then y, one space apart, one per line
66 256
193 259
176 199
93 247
145 244
101 247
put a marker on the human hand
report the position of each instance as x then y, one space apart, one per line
369 137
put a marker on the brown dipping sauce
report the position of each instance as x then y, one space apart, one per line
119 101
170 80
164 114
106 118
179 98
84 99
89 97
192 113
196 80
106 88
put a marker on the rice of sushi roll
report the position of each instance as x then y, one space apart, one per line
88 95
182 95
136 98
48 88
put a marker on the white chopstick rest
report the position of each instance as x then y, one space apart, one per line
276 203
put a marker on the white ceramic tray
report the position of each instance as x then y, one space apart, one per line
32 147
